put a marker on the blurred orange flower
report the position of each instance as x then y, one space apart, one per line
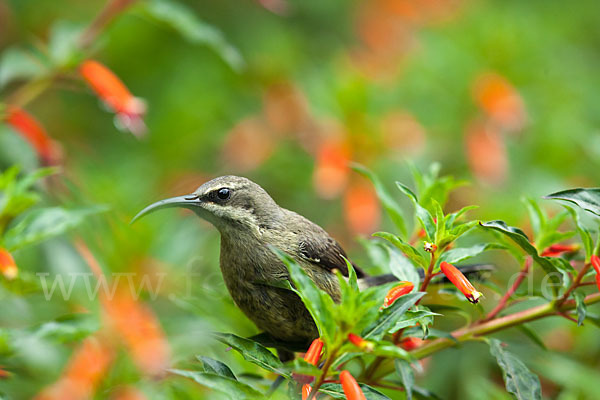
331 171
128 393
361 208
35 134
86 368
557 249
110 89
411 343
486 153
248 144
501 101
402 133
139 328
285 108
8 267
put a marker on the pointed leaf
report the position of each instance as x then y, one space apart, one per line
253 352
588 199
581 308
335 390
518 380
389 204
460 254
407 376
213 366
390 315
423 215
233 388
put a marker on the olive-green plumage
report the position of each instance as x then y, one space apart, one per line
250 223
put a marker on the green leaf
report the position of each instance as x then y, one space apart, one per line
519 237
335 390
402 268
408 250
299 366
517 378
319 304
411 318
581 308
46 223
389 204
584 233
407 376
253 352
231 387
67 329
193 29
587 199
460 254
423 215
213 366
17 63
536 216
390 315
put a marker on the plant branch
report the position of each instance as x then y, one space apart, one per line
428 273
504 300
574 285
473 332
324 372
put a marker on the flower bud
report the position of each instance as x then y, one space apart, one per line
401 289
411 343
306 389
460 281
350 386
313 354
361 343
557 249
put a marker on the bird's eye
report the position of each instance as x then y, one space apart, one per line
223 193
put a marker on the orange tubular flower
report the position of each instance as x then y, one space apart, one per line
557 249
313 354
350 386
34 133
8 267
360 342
129 110
596 265
401 289
306 389
460 281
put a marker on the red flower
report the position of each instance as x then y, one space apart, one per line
596 265
557 249
34 133
350 386
460 281
306 389
360 342
8 267
129 109
401 289
313 354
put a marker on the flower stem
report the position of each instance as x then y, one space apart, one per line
324 372
503 301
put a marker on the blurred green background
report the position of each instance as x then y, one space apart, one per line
503 94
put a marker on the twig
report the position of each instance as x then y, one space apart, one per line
324 371
504 300
497 324
574 285
110 10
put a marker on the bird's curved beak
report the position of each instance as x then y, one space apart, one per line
190 201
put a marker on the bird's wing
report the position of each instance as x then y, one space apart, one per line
316 246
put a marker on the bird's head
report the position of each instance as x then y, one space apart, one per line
228 202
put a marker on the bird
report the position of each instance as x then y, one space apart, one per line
251 224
